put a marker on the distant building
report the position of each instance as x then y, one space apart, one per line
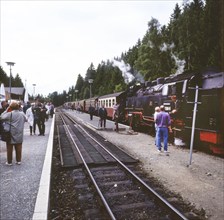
17 93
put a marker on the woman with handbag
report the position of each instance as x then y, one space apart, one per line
15 119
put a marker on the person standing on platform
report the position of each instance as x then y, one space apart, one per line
16 119
157 110
43 117
51 110
163 123
36 116
26 106
30 118
3 107
91 111
103 116
116 116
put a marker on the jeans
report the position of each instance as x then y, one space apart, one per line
162 134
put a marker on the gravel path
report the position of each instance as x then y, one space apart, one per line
200 184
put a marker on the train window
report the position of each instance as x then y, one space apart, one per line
172 90
106 103
113 102
184 87
165 90
181 88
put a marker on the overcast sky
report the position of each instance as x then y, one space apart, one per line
52 42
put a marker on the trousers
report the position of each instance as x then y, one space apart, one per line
162 134
18 149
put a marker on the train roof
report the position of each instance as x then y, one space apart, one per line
93 98
111 95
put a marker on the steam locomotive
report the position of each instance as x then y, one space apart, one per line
194 100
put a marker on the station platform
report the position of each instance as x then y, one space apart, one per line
24 189
95 122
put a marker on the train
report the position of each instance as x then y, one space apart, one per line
194 100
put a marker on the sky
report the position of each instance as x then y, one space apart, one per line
51 42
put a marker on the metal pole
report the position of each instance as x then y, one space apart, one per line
34 90
10 78
10 84
193 123
90 83
76 94
90 91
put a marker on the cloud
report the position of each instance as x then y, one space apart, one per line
52 42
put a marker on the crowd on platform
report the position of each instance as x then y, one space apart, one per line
13 115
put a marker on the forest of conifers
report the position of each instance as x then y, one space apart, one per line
191 41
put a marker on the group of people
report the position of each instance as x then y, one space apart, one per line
12 118
102 113
162 127
37 114
162 121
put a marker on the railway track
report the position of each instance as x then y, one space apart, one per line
105 177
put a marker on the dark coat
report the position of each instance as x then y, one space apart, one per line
103 113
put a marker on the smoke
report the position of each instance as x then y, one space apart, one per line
125 69
165 47
139 77
179 63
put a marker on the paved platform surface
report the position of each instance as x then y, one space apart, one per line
20 184
95 123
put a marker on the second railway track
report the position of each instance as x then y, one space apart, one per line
105 178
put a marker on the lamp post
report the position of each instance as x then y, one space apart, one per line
10 64
76 94
34 90
70 99
90 83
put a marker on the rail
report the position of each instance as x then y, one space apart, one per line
146 186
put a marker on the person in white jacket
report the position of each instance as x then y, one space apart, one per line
30 118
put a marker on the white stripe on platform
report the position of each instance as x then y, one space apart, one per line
42 201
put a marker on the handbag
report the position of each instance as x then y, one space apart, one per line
6 134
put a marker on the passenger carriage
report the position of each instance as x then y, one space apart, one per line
110 100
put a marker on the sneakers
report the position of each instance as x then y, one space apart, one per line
8 164
166 153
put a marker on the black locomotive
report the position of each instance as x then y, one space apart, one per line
195 102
